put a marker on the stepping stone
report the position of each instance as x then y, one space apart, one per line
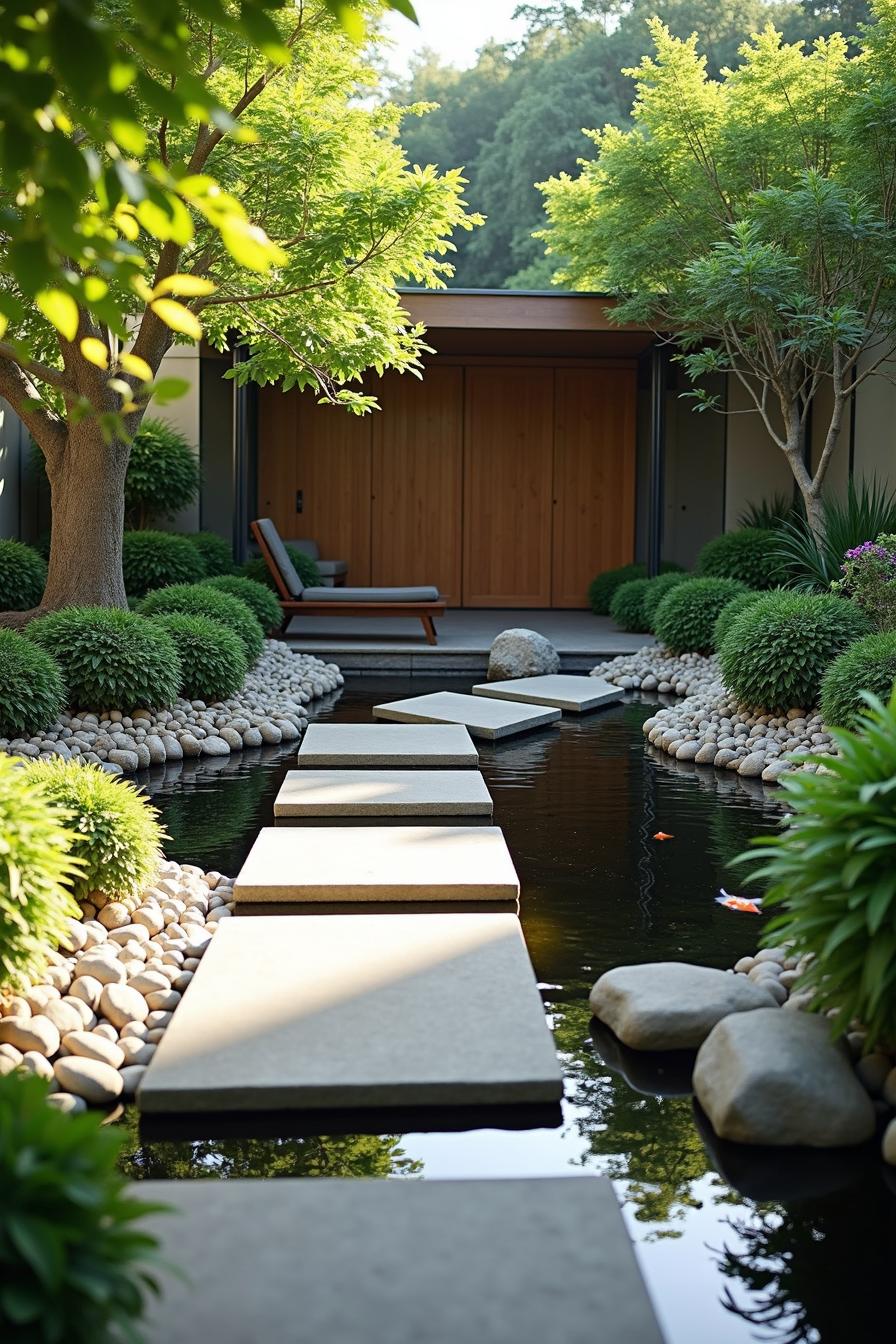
395 1262
378 863
482 718
575 694
294 1012
389 793
375 744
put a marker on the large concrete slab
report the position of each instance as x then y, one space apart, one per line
383 793
378 863
489 719
576 695
378 744
289 1012
396 1262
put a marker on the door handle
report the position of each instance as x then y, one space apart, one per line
300 501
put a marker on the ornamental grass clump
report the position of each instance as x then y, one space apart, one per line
213 662
832 869
156 559
776 652
627 605
75 1265
255 595
200 599
216 553
747 555
867 665
23 576
31 690
686 617
656 590
110 659
37 870
729 612
869 579
115 832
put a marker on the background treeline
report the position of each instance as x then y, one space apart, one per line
516 117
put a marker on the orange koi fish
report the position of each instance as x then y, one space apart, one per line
663 835
740 903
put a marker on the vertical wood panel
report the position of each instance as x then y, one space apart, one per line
594 478
507 487
417 481
277 458
333 471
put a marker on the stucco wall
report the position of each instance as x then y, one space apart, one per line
184 414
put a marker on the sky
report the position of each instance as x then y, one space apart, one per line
456 29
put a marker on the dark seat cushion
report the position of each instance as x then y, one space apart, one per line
337 595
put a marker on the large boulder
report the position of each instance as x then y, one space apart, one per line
778 1079
522 653
671 1005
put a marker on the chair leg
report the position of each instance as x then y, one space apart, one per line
429 627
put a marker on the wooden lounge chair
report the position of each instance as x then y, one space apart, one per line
297 600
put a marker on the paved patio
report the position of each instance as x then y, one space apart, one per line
359 644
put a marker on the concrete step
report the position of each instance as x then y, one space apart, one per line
384 793
576 695
361 745
489 719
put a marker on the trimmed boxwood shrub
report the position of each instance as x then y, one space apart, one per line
213 659
200 599
117 837
110 659
867 665
656 590
215 551
306 568
36 872
23 576
31 691
627 605
777 651
157 559
686 616
163 474
601 589
748 555
255 595
728 614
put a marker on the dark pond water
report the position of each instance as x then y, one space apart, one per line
769 1251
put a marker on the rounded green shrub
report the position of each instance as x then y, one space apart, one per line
163 474
117 836
23 576
627 605
213 660
777 651
110 659
36 874
656 590
217 554
157 559
306 568
748 555
867 665
200 599
255 595
729 613
75 1264
686 616
601 589
31 691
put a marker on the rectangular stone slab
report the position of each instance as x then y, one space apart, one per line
574 694
342 1261
378 863
389 793
294 1012
330 745
489 719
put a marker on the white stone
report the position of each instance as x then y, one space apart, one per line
96 1082
67 1102
519 653
670 1005
574 694
391 793
30 1033
91 1045
481 716
121 1004
327 745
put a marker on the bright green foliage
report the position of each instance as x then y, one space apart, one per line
110 659
36 874
777 651
686 617
306 568
747 555
23 573
729 614
627 605
255 595
833 873
213 661
867 665
156 559
75 1265
31 691
601 589
217 554
117 837
656 590
163 474
812 564
199 599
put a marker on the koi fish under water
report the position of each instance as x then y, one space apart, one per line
740 903
663 835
